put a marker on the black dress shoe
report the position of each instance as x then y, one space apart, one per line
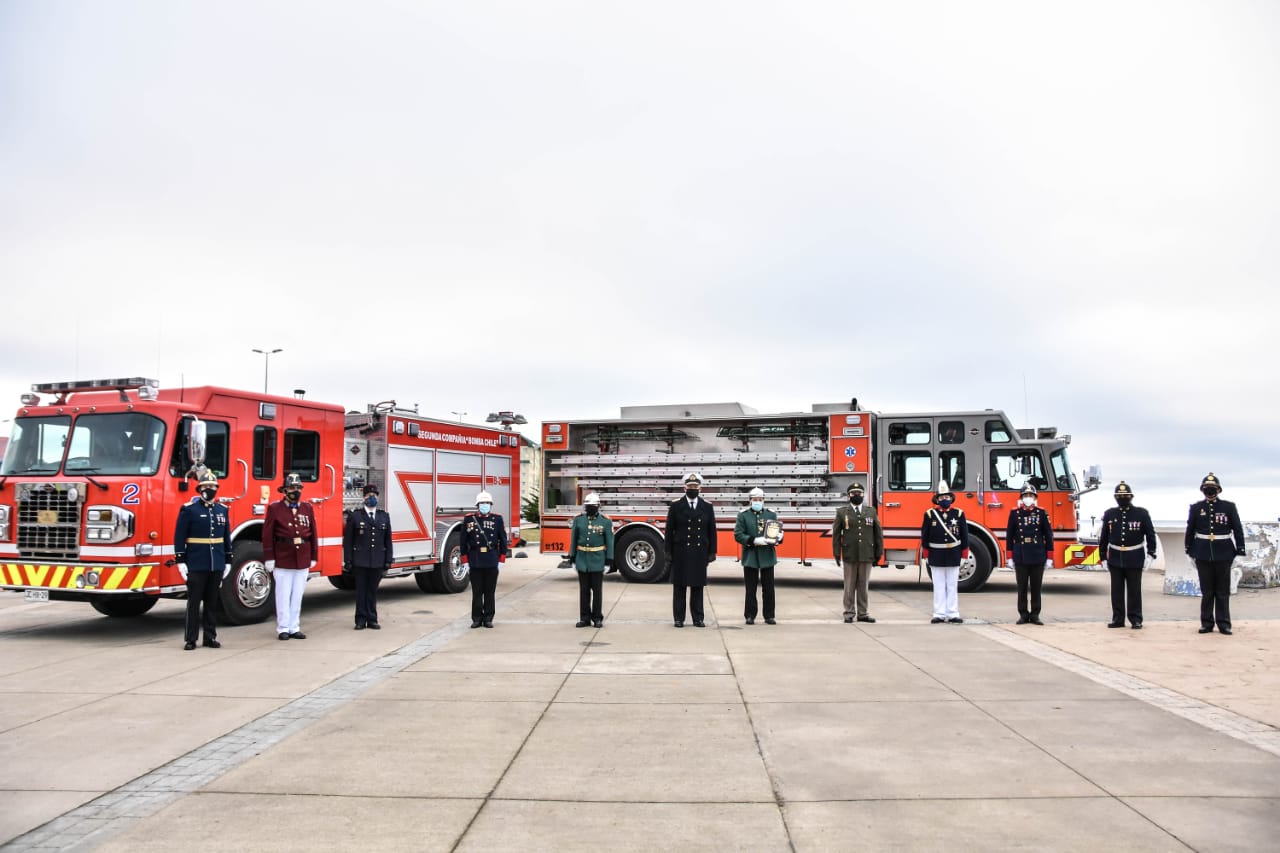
597 623
1137 626
1205 630
297 635
751 621
1226 631
488 623
771 621
283 635
935 620
360 626
374 626
866 619
698 624
679 623
848 619
1115 624
212 644
475 623
956 620
1035 620
582 623
1022 620
188 647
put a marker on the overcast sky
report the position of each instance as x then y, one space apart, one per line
1068 211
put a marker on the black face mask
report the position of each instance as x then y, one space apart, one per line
208 494
592 509
1123 500
1210 493
690 493
855 499
946 503
293 496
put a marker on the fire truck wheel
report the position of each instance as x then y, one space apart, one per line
124 607
449 576
247 590
640 557
343 581
974 578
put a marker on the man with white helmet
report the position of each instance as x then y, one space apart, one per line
944 537
690 540
1030 541
590 551
200 550
484 548
759 532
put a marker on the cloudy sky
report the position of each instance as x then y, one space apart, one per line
1067 211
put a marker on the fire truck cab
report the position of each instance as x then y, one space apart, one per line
805 462
92 481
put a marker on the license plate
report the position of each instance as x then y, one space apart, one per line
37 595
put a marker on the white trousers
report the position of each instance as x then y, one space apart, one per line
289 586
946 601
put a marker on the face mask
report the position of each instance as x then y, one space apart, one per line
946 503
1028 501
371 501
1210 493
1123 500
592 509
757 505
293 496
690 493
484 508
855 499
208 494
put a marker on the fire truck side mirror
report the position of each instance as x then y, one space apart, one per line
197 436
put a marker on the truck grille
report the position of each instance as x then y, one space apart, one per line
49 520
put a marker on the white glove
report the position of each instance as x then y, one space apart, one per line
760 540
1009 562
1048 564
182 570
312 566
271 565
226 571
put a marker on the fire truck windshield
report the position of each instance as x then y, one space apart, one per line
1062 471
108 443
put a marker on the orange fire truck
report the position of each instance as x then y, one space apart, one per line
93 479
805 462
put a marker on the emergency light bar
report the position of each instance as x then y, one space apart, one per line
147 388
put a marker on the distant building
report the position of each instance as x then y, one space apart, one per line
530 468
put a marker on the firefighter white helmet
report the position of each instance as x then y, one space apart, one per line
484 498
591 500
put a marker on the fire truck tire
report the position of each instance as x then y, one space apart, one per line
123 608
640 556
343 581
248 590
972 581
449 576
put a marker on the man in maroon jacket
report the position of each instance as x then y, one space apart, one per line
290 548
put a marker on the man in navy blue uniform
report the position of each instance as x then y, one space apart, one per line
691 547
1126 530
366 551
944 536
1214 539
1030 541
200 550
484 548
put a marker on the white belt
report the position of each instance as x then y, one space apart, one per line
948 545
1125 547
1212 536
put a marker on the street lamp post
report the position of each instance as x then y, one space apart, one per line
266 365
506 419
460 415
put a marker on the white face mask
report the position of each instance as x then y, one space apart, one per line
757 505
484 508
1028 501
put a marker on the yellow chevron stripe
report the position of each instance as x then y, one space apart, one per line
4 574
114 577
37 574
140 579
58 573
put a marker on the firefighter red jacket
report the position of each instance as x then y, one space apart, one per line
289 535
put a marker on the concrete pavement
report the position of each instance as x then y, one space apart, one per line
807 735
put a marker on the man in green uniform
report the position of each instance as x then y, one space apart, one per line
857 540
758 532
590 552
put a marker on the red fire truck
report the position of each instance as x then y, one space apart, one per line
92 481
805 462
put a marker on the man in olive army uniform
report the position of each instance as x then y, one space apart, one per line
200 550
590 552
1030 540
484 548
690 542
1126 530
367 553
290 549
1214 539
857 542
759 533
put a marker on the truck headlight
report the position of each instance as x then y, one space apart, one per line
107 524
